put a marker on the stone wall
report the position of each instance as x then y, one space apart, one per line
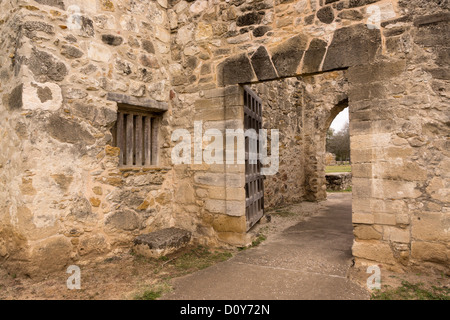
11 132
387 65
65 200
395 167
325 96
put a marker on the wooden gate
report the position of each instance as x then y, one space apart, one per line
254 181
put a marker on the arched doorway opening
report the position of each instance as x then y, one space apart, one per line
337 157
302 109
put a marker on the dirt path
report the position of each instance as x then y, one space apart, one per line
307 260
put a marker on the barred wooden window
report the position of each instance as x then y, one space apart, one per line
136 134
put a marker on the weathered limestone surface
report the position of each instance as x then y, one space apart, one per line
63 198
338 181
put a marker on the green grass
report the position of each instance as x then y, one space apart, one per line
149 295
411 291
200 258
336 169
175 265
261 237
349 189
153 293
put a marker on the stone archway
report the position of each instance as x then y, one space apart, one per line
381 231
304 56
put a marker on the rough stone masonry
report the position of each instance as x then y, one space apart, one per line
67 67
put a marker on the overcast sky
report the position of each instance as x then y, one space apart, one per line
340 120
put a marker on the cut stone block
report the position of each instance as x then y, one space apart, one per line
161 242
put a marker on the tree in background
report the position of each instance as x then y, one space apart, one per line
330 134
339 143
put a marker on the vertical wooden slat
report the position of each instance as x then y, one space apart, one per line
139 141
252 193
148 141
155 129
259 194
130 140
119 137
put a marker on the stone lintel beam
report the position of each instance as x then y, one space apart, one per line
351 46
147 103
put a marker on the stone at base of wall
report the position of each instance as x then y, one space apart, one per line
338 181
364 264
235 238
367 252
424 257
48 256
161 242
